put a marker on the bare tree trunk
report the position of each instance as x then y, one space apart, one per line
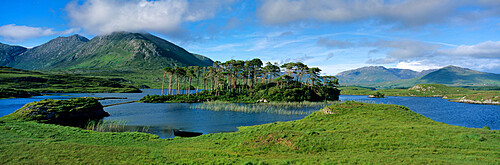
163 82
189 87
178 84
170 85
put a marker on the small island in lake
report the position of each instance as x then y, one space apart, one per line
247 81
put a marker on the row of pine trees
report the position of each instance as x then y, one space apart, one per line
237 75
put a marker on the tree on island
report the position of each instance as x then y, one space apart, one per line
237 80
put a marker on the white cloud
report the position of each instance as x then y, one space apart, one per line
488 49
162 16
405 13
417 65
335 69
401 50
18 33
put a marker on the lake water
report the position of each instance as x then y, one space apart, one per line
163 117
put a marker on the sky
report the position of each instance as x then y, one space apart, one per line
334 35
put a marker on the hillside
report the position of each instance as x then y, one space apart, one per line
381 77
119 50
347 133
18 81
137 57
376 74
451 76
8 52
49 54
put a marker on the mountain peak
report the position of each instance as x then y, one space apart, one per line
123 35
455 67
72 38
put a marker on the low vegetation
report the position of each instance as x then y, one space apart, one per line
12 93
37 82
350 132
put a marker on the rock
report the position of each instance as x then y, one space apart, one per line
74 111
262 101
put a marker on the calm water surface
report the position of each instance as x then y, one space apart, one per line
163 117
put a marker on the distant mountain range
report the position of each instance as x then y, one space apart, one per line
119 50
381 77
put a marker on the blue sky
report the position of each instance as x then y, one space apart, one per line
335 35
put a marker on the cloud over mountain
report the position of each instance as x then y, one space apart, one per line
163 16
17 33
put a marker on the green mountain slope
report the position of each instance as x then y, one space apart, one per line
375 74
8 52
461 76
137 57
128 51
451 76
49 54
118 50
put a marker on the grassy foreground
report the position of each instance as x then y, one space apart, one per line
350 133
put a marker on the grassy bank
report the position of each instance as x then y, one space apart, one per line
429 90
38 82
13 93
350 133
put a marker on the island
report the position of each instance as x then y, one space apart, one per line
248 82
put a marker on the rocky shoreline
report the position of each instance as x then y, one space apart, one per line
486 102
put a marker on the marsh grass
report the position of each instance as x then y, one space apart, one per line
283 108
113 126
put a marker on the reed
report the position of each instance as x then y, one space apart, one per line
113 126
283 108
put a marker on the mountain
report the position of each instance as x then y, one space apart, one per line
118 50
376 74
451 76
47 55
8 52
381 77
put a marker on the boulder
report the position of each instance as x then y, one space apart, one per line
262 101
72 112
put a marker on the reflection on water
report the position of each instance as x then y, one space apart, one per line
162 118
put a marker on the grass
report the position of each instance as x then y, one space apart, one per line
351 133
284 108
38 82
13 93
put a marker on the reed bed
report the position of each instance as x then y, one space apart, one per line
283 108
113 126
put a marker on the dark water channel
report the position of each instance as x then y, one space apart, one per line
162 118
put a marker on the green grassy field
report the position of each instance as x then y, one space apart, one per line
33 81
347 133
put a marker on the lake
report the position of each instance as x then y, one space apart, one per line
163 117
